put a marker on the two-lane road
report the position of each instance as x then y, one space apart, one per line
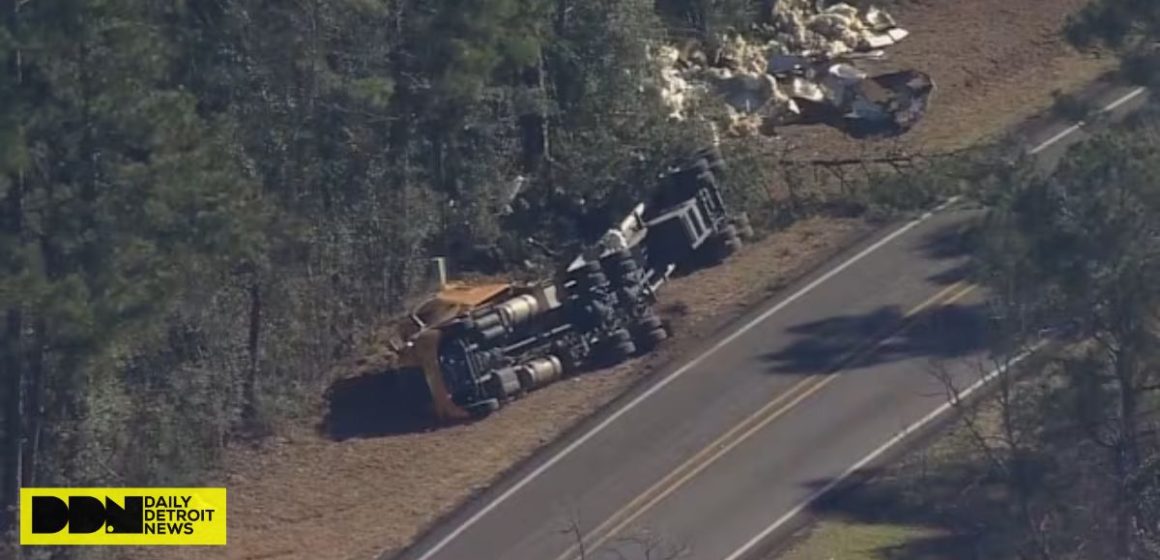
721 452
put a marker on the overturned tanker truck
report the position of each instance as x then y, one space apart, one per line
479 346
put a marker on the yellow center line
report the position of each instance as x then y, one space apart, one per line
763 417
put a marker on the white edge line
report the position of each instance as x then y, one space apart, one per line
1130 96
1071 129
942 409
1063 134
673 376
745 328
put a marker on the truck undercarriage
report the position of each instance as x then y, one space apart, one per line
479 352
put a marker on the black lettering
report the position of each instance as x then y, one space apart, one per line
127 520
86 514
193 515
150 528
208 514
150 502
174 528
188 528
49 514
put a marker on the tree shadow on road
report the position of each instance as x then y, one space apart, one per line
946 332
955 241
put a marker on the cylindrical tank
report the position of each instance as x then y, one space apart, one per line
486 320
506 382
539 372
518 310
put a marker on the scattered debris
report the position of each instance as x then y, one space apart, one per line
806 65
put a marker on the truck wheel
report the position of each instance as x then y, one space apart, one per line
707 180
620 335
713 160
731 245
730 233
483 408
727 243
593 280
697 167
624 350
649 322
741 223
625 269
654 337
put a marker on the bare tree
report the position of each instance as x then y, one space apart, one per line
642 544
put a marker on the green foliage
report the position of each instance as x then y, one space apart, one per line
1078 252
1142 66
1116 23
706 18
203 205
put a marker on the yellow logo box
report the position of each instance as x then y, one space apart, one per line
123 516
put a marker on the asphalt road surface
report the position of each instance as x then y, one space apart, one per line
719 455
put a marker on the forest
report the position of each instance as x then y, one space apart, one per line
204 205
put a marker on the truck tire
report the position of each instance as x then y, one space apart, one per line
697 167
731 244
730 233
483 408
687 178
654 337
588 273
626 269
726 244
713 160
624 349
707 180
589 267
620 335
741 223
649 322
593 280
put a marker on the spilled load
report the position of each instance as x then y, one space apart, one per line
804 64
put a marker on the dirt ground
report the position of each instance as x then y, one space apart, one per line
994 64
306 496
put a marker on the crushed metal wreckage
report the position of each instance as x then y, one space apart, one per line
807 64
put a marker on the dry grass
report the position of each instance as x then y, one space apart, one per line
849 540
306 497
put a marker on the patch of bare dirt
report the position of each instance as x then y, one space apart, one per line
307 497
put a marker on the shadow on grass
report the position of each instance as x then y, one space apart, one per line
967 514
947 332
377 404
